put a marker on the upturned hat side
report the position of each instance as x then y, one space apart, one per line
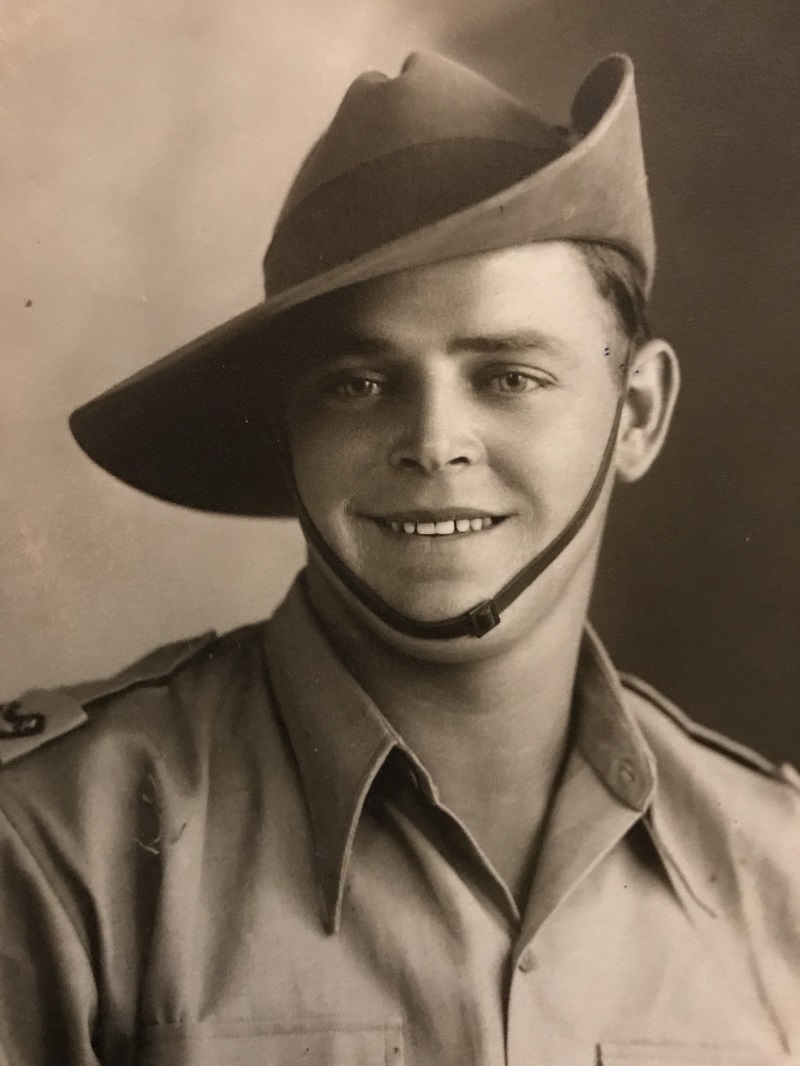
434 164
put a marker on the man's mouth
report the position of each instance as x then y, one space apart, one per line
439 523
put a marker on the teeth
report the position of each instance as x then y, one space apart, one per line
443 529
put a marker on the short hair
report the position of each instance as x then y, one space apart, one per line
620 283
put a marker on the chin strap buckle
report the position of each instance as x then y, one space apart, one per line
483 618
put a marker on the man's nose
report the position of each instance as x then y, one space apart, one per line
437 432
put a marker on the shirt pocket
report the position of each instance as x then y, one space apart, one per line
676 1054
252 1043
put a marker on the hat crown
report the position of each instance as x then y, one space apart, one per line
433 99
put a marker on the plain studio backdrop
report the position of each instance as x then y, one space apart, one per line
146 146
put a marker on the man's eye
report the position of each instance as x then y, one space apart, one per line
357 388
515 381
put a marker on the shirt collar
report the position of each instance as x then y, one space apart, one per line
607 734
341 740
611 740
339 737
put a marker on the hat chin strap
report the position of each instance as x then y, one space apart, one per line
484 616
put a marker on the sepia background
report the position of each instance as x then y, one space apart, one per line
145 148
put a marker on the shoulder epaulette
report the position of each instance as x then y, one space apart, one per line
718 742
41 715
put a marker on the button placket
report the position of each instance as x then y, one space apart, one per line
523 1032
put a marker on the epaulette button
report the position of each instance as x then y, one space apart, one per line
789 775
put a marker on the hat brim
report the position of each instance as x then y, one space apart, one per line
188 429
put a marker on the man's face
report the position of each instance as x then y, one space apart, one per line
452 420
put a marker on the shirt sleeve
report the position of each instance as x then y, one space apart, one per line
48 997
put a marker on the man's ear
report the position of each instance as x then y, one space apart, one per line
652 389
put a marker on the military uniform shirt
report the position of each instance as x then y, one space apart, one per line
229 857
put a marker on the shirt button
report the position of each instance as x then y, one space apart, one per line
627 772
526 962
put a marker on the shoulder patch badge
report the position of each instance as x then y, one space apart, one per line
16 723
41 715
740 753
36 718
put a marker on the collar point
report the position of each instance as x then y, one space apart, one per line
331 914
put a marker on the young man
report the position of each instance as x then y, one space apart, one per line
417 816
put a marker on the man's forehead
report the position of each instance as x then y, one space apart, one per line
482 284
516 298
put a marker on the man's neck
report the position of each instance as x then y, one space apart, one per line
491 731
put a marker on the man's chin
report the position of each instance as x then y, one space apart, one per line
421 597
428 604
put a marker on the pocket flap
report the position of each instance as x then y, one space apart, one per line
254 1043
644 1053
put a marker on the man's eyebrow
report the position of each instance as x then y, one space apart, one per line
353 342
346 341
519 341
